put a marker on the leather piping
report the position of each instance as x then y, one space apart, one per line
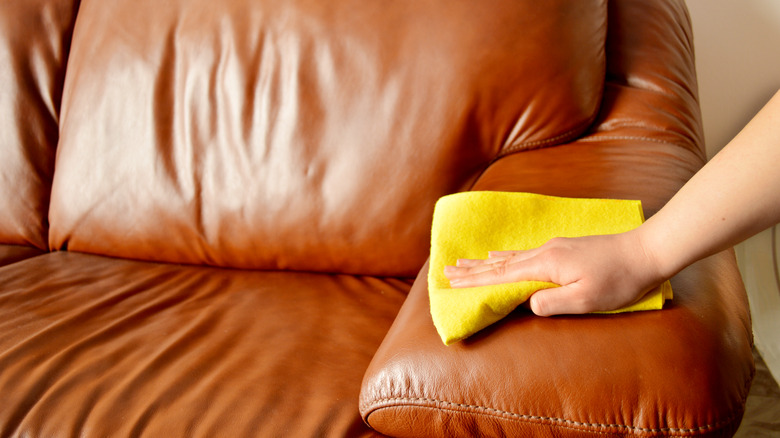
571 424
596 137
558 139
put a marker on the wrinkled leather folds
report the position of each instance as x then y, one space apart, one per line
13 253
676 372
682 371
530 376
651 90
212 213
256 134
34 43
108 347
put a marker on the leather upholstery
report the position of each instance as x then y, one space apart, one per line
651 92
124 348
530 376
13 253
34 43
272 168
572 376
251 132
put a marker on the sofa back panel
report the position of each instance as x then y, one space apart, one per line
305 134
34 41
651 89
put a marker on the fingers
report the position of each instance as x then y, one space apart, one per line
467 263
505 270
596 273
497 260
493 254
467 269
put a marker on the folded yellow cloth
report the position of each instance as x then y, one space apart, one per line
468 225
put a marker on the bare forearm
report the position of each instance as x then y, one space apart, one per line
734 196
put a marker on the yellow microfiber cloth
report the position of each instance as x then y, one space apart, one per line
468 225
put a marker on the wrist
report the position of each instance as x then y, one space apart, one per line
656 259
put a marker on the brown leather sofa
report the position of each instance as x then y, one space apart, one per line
212 215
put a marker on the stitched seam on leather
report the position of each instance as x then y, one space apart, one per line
495 411
597 137
564 426
514 147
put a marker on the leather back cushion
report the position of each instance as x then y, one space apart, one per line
34 41
305 134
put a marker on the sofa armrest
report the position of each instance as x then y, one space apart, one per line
681 371
685 370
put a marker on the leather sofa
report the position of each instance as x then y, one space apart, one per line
215 218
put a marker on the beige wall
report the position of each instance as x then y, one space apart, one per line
738 61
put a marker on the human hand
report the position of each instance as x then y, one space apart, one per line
596 273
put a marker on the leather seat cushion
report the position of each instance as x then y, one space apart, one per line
94 346
13 253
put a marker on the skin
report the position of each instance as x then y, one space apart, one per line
734 196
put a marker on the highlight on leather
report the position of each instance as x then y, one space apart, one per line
468 225
35 36
248 136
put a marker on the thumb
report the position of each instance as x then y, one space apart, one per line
568 299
